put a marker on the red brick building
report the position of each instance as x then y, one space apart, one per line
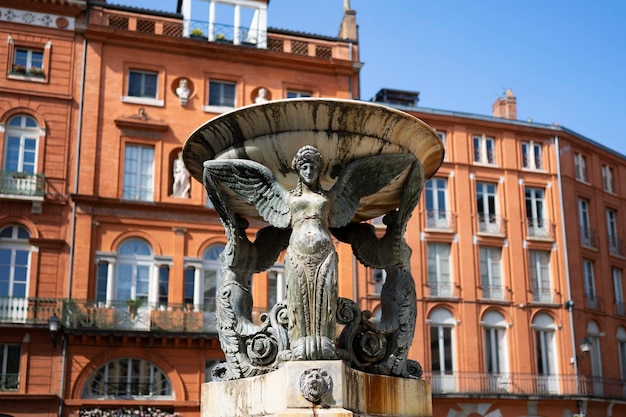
517 243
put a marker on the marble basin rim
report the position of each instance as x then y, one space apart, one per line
342 130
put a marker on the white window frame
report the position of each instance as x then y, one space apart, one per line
138 183
590 284
440 270
223 105
491 272
436 195
595 355
608 179
131 373
621 351
9 381
532 155
487 196
276 285
143 98
143 271
618 291
205 291
546 354
484 150
14 240
299 94
440 322
536 212
580 167
583 222
540 277
611 227
27 131
30 62
495 351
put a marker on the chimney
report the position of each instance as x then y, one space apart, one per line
348 28
505 107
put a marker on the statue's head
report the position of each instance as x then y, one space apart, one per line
305 154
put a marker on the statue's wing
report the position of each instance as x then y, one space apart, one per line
254 183
361 178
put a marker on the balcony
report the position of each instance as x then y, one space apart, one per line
620 308
441 290
542 295
478 383
589 237
491 225
440 220
493 292
87 315
540 229
9 382
22 185
275 40
594 302
616 246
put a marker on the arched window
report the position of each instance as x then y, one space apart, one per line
545 352
21 137
495 346
593 331
134 264
621 347
128 378
14 271
442 325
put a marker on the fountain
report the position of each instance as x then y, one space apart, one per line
314 171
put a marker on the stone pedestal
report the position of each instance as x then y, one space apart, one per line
317 388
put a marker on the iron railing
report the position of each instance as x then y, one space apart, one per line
9 382
490 224
540 229
113 315
542 295
22 184
594 302
588 237
493 292
441 289
616 246
440 220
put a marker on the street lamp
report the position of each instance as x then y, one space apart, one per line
585 347
54 325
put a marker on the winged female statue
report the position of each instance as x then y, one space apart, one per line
309 212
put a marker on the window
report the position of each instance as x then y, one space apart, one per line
441 325
276 285
618 291
616 245
14 271
580 166
587 236
484 150
189 285
495 350
595 354
22 134
211 273
437 215
608 179
164 284
488 221
143 84
138 173
491 273
102 273
621 349
540 281
545 351
298 94
222 94
535 213
134 263
9 367
590 286
28 62
128 378
531 155
439 279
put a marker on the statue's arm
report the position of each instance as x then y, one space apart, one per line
361 178
254 183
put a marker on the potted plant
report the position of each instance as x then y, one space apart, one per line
197 34
18 69
133 305
36 72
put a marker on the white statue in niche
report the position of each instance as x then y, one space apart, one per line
180 188
182 91
261 96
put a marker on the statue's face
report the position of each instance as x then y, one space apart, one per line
309 173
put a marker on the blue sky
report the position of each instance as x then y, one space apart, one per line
565 60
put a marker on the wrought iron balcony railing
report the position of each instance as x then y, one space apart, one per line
542 295
9 382
22 184
588 237
540 229
115 315
620 308
476 383
493 292
440 220
616 246
441 289
594 302
490 224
